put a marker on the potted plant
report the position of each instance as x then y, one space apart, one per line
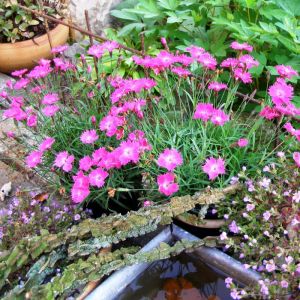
24 39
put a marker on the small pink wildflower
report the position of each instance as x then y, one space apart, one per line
50 110
128 152
233 227
85 163
214 167
21 84
217 86
284 284
98 154
170 159
270 266
166 184
96 50
207 61
219 117
269 113
281 92
78 194
40 71
294 132
250 206
31 120
296 157
195 51
203 111
110 46
181 72
266 215
241 46
10 134
165 59
242 142
33 159
46 144
64 160
286 71
97 177
19 73
223 236
248 61
240 74
81 181
110 124
50 98
230 63
89 136
147 203
59 49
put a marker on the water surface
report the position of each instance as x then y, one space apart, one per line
180 278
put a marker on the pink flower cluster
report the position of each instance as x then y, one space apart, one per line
241 65
169 159
128 151
203 57
165 60
206 111
99 50
35 157
127 86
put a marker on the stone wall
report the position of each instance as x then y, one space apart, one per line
98 12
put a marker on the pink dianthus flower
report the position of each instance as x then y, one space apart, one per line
166 184
89 136
46 144
33 159
242 142
296 157
64 160
286 71
281 92
50 98
217 86
97 177
170 159
214 167
219 117
269 113
85 163
128 152
241 46
203 111
50 110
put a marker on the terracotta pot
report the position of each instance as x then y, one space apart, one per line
19 55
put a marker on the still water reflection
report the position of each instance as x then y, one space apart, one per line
181 278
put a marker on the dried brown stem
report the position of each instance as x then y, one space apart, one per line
88 25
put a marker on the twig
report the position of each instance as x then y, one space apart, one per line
88 25
46 26
84 31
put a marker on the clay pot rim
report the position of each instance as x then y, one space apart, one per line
40 40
